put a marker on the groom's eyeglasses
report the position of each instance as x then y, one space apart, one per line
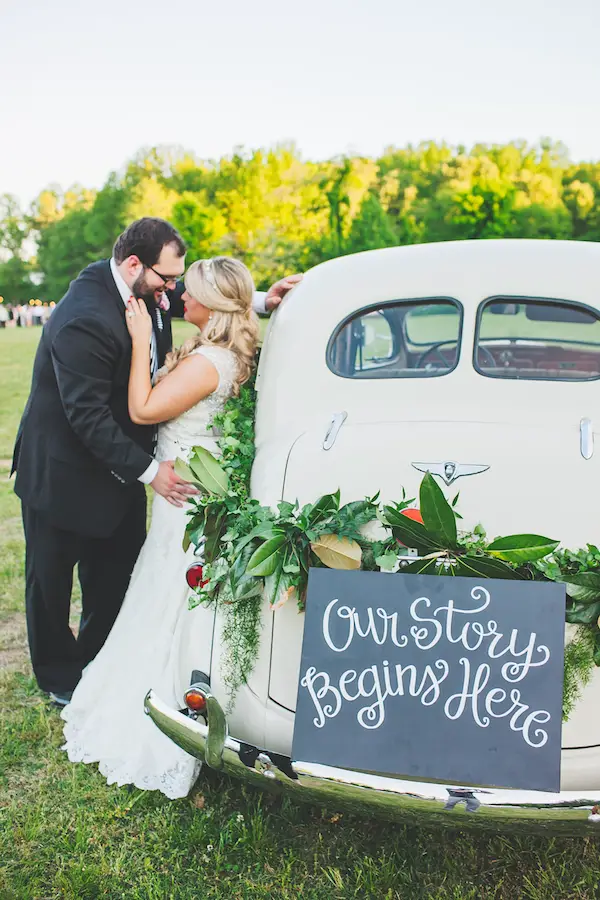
167 279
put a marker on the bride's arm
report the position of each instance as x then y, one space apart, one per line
193 379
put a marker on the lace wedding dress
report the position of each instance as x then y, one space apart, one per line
105 720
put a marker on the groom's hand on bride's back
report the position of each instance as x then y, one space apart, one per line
170 486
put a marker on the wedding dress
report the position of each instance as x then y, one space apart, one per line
105 720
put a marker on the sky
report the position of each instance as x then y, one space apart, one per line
84 86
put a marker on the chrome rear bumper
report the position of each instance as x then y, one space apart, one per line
566 813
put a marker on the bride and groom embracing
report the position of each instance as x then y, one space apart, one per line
111 407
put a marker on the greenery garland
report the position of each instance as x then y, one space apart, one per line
252 552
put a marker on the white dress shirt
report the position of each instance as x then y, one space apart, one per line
258 304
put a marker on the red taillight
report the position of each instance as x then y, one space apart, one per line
415 515
195 700
193 576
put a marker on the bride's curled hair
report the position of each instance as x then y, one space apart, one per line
223 285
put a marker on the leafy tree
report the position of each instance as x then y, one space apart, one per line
371 228
280 213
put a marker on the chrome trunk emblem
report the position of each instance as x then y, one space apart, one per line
449 471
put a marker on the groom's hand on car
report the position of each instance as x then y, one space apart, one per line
277 291
170 486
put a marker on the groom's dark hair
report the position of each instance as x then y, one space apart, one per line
145 239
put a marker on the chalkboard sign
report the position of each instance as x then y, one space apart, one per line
446 679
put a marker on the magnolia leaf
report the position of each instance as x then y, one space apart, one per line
584 588
186 543
481 566
413 534
393 515
337 552
267 557
428 566
324 506
209 472
183 470
214 526
438 515
522 548
273 583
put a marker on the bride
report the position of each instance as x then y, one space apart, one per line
105 720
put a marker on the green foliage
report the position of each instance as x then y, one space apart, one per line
280 213
253 553
579 665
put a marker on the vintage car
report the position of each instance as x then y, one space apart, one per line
477 361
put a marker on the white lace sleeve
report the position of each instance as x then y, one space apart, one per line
225 363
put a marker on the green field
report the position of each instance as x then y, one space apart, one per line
65 834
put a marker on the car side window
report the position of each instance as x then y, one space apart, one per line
537 339
400 339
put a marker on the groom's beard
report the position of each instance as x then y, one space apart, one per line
142 291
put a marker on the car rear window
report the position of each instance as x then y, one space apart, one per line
537 339
399 339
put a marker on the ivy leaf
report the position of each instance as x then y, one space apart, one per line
584 588
209 472
266 558
438 515
522 548
480 566
387 561
242 584
286 509
264 530
337 552
583 613
597 650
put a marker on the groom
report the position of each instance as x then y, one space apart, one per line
81 462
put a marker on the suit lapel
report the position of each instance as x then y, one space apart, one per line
112 287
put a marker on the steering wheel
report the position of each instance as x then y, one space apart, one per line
435 352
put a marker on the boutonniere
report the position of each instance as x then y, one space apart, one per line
164 303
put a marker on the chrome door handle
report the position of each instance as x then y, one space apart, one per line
333 430
586 438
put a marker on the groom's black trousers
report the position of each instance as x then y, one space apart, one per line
104 568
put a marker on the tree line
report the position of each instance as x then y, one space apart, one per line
280 213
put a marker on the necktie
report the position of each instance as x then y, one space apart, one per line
153 355
153 346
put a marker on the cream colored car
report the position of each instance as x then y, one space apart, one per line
478 361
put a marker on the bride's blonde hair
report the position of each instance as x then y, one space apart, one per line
224 285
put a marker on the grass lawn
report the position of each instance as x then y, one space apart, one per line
65 834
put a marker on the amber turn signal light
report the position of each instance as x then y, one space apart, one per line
195 700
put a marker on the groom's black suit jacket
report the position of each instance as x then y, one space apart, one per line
78 455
